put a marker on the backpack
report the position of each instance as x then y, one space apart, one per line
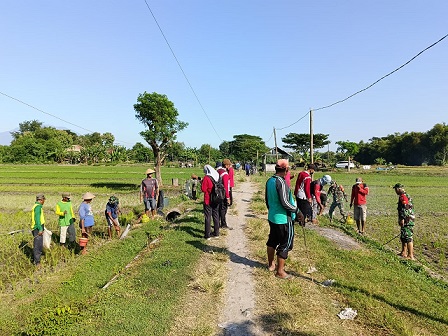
218 193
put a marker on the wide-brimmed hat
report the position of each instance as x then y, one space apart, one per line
149 171
88 196
40 197
66 195
226 162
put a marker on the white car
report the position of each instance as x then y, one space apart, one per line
344 164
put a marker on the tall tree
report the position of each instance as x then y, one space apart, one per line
301 143
245 147
27 126
159 115
347 148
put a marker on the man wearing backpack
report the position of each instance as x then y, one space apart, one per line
224 205
211 210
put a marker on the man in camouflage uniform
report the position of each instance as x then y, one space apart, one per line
339 196
406 221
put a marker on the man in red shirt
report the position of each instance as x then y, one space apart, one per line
303 193
228 165
358 198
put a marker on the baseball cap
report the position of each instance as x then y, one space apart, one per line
282 164
66 195
218 164
398 185
40 197
358 180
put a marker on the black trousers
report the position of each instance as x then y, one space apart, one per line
211 212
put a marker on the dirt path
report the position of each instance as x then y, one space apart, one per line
237 316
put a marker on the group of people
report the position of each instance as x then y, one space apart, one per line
66 221
215 210
305 204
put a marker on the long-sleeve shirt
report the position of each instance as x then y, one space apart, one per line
37 217
359 193
206 187
302 188
64 219
225 180
279 200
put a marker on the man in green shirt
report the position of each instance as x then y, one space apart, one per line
64 210
37 227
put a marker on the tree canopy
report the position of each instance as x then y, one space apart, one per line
160 117
301 143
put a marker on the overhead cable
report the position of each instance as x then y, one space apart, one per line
56 117
181 69
390 73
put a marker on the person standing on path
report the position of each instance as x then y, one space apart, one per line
149 190
406 218
211 210
302 191
358 199
86 220
38 227
228 165
224 205
66 220
339 196
281 214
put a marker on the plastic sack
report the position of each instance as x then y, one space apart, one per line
47 238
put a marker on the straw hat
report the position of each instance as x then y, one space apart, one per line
88 196
149 171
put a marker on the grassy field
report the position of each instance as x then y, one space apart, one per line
392 296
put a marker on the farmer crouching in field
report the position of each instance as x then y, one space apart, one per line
86 220
112 211
281 214
64 210
406 221
37 227
149 190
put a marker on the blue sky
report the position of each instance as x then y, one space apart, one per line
253 65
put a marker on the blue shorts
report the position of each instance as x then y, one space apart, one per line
150 203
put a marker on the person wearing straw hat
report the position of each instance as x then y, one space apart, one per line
149 189
86 219
37 227
64 210
406 218
112 211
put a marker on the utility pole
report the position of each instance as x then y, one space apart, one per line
275 142
311 137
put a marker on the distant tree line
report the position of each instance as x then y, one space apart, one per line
409 148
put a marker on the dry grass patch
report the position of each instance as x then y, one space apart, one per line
205 294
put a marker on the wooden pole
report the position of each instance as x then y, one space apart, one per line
311 137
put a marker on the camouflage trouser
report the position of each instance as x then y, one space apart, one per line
406 233
335 205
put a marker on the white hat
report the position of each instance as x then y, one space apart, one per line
88 196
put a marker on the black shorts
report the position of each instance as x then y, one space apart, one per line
281 238
305 208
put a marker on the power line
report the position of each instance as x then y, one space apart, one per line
52 115
390 73
181 69
368 87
